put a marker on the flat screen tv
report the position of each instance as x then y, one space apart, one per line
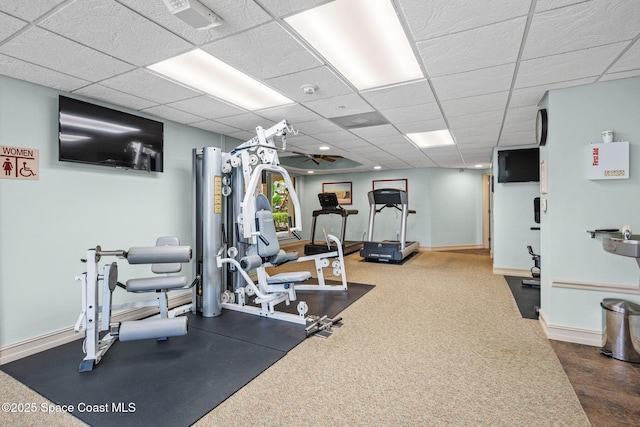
519 165
97 135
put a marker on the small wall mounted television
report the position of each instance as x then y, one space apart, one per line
521 165
89 133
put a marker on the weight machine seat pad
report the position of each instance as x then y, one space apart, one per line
151 284
159 254
291 277
281 257
153 328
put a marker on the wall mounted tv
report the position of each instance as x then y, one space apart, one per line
519 165
97 135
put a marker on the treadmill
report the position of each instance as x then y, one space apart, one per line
329 205
388 250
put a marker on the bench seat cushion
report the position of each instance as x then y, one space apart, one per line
151 284
291 277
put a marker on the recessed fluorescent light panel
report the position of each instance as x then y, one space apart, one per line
437 138
363 39
203 72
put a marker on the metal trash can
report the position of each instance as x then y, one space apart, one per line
619 344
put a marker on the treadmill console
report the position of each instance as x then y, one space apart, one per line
388 196
328 200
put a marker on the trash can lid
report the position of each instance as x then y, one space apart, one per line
620 306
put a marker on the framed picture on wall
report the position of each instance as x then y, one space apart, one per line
398 184
341 189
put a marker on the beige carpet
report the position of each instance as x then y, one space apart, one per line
439 341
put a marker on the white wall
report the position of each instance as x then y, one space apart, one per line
575 204
448 205
47 225
513 217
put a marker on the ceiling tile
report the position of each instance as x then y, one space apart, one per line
433 18
147 85
477 140
522 113
236 15
398 96
113 96
21 70
317 127
336 137
533 95
305 142
621 75
264 52
292 113
483 130
482 47
376 131
248 121
581 26
517 138
630 60
114 29
206 106
369 148
348 144
413 113
474 149
282 8
58 53
472 83
338 106
567 66
423 162
9 25
484 118
542 5
28 10
464 106
327 84
422 126
527 125
172 114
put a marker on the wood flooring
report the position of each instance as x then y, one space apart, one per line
608 389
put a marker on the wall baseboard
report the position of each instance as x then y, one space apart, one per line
573 335
50 340
450 248
517 272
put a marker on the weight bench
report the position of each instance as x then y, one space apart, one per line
165 258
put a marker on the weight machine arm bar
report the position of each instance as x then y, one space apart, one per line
248 203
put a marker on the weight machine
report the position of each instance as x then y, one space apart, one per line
235 235
166 257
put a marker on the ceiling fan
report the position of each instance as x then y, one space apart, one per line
317 158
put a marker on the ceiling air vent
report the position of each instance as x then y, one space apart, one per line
355 121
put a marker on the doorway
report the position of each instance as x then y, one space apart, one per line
486 211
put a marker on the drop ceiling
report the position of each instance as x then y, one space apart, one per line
487 64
